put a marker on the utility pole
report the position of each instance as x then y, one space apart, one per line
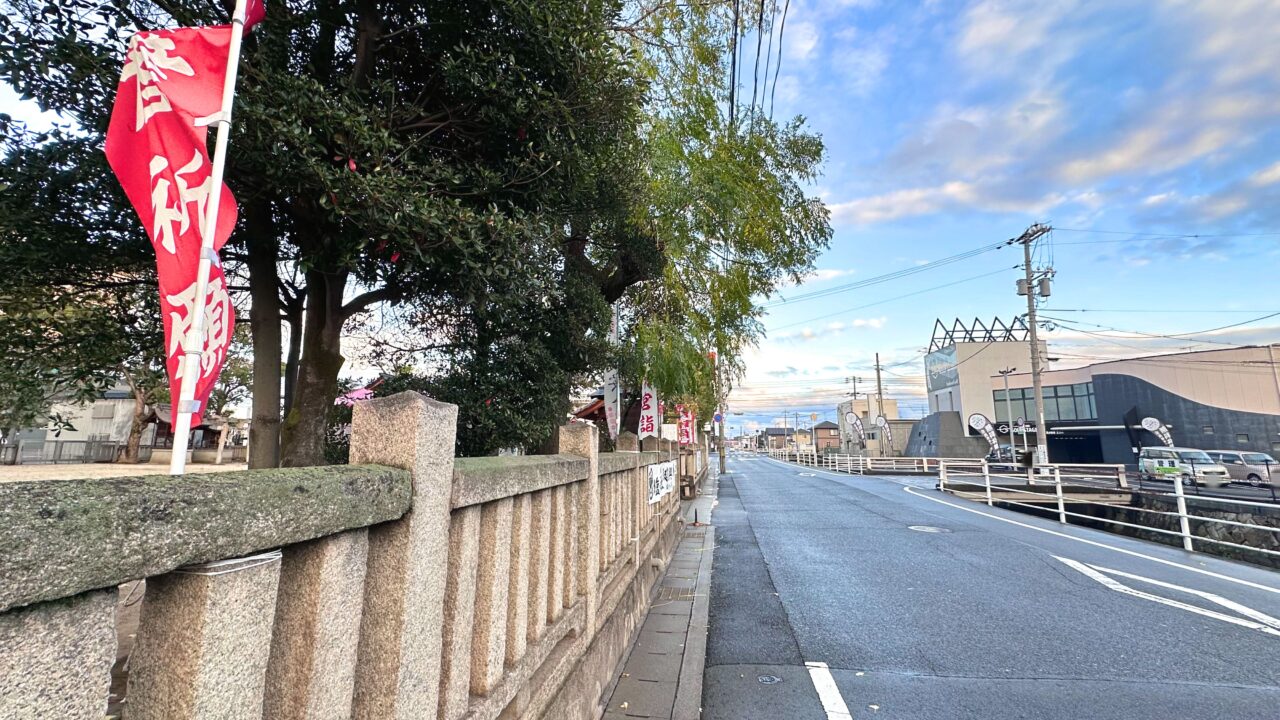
880 405
1029 288
1008 408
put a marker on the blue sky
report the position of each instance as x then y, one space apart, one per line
955 124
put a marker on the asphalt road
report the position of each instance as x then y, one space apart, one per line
993 614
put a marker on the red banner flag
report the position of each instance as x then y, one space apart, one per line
254 12
169 92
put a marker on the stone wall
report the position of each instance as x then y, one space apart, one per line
1253 537
408 585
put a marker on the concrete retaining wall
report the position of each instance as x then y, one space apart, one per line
1265 516
408 585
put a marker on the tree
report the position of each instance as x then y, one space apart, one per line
416 151
488 175
728 196
78 309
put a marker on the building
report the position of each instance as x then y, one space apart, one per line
778 438
867 409
1225 399
826 437
962 360
1213 400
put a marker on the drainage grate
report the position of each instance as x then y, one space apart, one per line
695 532
673 593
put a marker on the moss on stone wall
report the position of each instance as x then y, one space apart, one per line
62 537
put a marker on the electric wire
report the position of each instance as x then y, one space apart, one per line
904 272
776 68
892 299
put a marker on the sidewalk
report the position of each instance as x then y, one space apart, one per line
661 676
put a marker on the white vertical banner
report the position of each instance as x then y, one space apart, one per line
612 402
649 420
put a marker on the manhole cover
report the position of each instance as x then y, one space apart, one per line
769 679
927 528
807 474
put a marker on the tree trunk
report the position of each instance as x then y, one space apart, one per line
303 433
292 315
264 322
136 427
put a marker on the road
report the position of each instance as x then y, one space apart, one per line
826 601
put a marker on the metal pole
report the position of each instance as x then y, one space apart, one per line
986 479
1062 508
1042 449
193 343
1183 524
880 406
1008 408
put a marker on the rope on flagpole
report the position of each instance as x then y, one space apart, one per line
193 343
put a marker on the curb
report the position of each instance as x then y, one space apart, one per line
688 704
688 701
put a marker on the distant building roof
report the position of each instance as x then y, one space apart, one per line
826 424
779 431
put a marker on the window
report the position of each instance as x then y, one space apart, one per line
104 411
1207 429
1242 438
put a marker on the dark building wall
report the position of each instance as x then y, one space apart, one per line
941 434
1115 394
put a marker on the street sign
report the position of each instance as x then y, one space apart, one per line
718 417
813 416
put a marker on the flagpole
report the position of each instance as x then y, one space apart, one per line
193 343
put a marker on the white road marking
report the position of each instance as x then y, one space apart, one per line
1261 617
1086 541
1119 587
828 693
1095 543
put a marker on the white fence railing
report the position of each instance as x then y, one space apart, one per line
961 478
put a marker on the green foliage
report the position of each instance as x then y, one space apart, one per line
78 308
727 194
498 172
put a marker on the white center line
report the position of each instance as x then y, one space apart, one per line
828 693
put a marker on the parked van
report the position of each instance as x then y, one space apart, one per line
1188 465
1254 468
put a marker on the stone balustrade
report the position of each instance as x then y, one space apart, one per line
409 584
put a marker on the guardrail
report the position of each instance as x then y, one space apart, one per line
408 584
860 464
979 480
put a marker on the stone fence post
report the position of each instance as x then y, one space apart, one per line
397 675
583 440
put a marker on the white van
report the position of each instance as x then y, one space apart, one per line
1188 465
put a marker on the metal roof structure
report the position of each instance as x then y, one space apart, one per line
977 331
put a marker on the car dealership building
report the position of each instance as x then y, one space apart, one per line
1225 399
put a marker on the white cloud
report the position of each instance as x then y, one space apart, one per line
862 67
801 40
1266 176
955 195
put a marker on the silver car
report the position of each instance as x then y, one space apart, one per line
1254 468
1188 465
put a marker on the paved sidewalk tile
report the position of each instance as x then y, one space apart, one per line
650 680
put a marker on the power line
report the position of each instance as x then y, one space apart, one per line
755 78
1150 310
1132 233
781 30
892 299
1172 336
904 272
